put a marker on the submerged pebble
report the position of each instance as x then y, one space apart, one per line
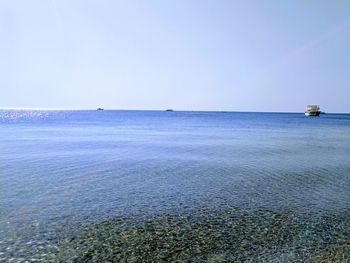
228 236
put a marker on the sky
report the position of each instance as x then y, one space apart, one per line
236 55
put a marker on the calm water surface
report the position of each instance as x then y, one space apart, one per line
62 172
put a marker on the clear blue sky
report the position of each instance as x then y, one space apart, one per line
247 55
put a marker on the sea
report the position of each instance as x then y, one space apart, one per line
161 186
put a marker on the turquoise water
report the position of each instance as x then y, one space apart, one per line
65 173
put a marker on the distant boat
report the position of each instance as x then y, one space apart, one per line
312 110
99 109
169 110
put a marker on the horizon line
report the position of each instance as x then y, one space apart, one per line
180 110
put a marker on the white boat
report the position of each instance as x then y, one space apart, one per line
312 110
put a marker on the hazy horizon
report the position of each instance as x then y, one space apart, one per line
177 110
246 56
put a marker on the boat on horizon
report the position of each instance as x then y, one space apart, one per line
169 110
312 110
100 109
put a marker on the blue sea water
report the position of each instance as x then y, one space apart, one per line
75 168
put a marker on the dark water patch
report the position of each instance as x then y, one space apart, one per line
212 236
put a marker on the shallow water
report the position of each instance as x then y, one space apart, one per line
67 173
